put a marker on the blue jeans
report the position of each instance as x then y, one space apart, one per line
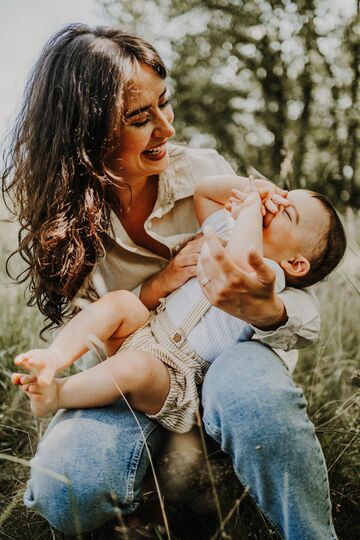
251 407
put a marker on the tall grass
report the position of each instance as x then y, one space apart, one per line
329 373
326 371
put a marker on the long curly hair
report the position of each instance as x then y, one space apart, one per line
55 175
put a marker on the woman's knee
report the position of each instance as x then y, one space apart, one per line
248 390
241 373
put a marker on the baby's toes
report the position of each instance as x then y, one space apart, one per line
25 361
21 379
16 378
27 378
24 388
34 388
29 363
20 358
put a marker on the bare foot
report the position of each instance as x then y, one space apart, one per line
43 399
42 363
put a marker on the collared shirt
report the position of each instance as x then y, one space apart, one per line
173 223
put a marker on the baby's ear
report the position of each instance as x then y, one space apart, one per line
296 267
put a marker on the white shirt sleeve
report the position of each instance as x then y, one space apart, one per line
303 325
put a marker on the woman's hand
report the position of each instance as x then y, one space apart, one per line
248 296
181 268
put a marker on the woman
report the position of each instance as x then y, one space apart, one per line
104 201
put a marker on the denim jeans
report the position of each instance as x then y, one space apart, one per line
251 408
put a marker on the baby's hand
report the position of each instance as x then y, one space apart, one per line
270 203
41 363
266 187
241 200
236 206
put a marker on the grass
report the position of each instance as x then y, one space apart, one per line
326 371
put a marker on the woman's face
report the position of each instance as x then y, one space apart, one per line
146 127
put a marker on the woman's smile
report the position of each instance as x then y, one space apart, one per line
156 153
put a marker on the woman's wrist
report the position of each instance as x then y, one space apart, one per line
153 289
274 318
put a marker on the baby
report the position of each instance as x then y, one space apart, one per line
158 359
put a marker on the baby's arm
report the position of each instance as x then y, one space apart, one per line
248 230
213 192
111 319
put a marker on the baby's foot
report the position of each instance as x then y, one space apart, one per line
43 399
42 363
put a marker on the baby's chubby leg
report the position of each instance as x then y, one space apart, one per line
138 375
112 318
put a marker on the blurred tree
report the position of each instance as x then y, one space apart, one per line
268 83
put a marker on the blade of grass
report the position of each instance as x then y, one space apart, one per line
211 476
26 463
231 512
9 508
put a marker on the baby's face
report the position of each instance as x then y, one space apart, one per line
294 227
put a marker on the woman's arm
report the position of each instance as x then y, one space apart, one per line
213 192
303 321
247 232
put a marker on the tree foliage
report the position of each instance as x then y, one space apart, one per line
268 83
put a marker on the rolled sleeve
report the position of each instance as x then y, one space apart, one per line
303 325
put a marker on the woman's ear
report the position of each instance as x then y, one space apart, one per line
296 267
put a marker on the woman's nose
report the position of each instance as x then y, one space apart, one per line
164 127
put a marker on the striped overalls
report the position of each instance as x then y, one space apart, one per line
186 368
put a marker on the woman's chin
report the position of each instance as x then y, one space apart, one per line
155 166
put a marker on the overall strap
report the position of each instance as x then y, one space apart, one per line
194 316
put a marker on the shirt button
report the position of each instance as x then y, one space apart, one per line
177 338
177 248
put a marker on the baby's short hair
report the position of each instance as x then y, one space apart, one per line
329 249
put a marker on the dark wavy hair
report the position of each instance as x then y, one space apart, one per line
55 172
